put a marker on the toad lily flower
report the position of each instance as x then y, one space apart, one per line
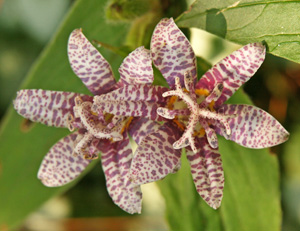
199 113
100 127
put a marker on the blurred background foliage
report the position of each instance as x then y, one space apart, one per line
27 26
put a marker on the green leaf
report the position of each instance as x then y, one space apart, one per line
251 194
275 22
23 145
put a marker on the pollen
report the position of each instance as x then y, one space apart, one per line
108 117
128 122
93 113
185 90
87 156
202 92
211 105
199 133
180 125
171 102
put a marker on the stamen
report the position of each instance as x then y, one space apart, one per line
171 102
82 143
210 134
180 125
202 92
128 122
211 105
115 120
70 121
189 84
88 156
214 95
78 101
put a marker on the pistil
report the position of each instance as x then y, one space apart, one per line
95 125
198 113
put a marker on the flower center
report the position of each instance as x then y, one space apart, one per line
93 125
199 111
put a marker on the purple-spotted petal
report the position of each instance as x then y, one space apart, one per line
116 160
234 70
48 107
252 127
129 108
137 68
155 157
136 101
171 52
136 92
89 65
139 128
207 172
59 166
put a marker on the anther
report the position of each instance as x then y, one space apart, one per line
214 95
70 120
78 101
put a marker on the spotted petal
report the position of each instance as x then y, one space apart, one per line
136 92
171 52
116 160
252 127
48 107
141 127
89 65
233 71
136 101
137 68
155 157
207 172
59 166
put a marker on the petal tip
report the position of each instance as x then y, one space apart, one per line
259 48
76 32
216 205
46 181
215 200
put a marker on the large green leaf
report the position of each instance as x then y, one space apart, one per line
245 21
23 146
251 195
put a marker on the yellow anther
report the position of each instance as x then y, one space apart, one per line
125 127
108 117
211 105
78 101
202 92
180 125
200 133
90 157
70 120
185 90
93 113
171 102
